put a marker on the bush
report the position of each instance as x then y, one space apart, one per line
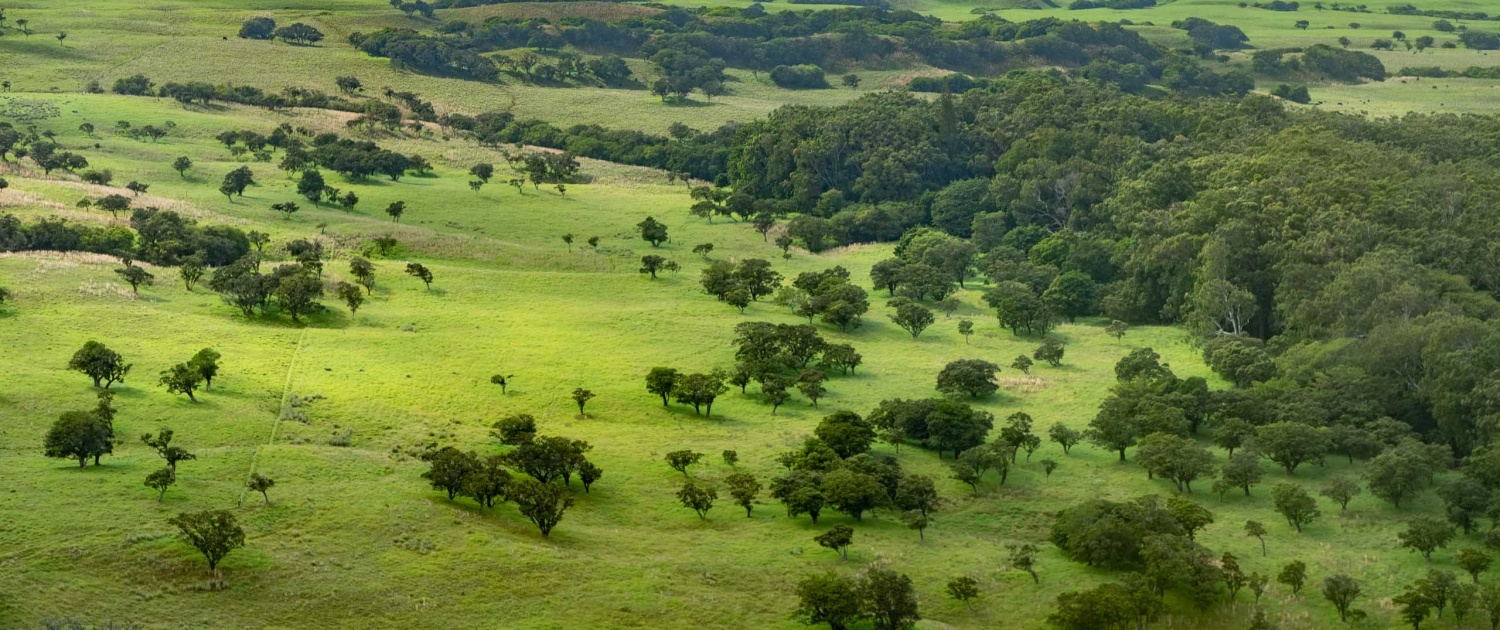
801 77
1480 40
1296 94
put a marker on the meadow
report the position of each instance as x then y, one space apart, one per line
354 538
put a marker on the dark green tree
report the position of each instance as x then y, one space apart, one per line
99 363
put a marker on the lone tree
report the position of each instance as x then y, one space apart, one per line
838 539
160 480
1424 534
260 483
581 396
652 231
1292 502
207 363
236 181
662 381
697 497
1023 557
830 598
1256 530
214 533
363 272
162 444
420 272
181 165
651 264
1341 490
975 377
743 488
502 380
395 210
82 435
889 599
965 328
1341 590
135 276
1050 351
680 460
351 295
182 378
1294 575
99 363
541 503
1065 436
963 588
913 318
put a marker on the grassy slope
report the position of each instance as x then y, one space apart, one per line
354 538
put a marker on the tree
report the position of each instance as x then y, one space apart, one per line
651 263
136 276
582 396
300 34
395 210
1175 458
1022 363
1466 501
81 435
420 272
913 318
1023 557
1257 531
541 503
1242 471
1117 329
652 231
1341 490
838 539
449 469
846 433
1425 535
1291 444
363 272
262 484
697 497
700 390
1341 590
139 188
160 480
954 426
889 599
588 473
1474 561
851 81
1294 575
297 293
743 488
258 28
1072 293
236 181
680 460
965 328
662 381
1414 605
1404 470
214 533
829 598
191 272
853 493
351 295
1293 503
99 363
1050 351
1112 430
182 378
810 384
514 430
311 185
975 377
1065 436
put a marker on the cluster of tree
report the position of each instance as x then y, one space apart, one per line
293 288
160 237
1471 72
550 462
692 154
741 283
941 424
799 77
541 167
1211 36
834 470
782 357
878 594
691 48
955 83
205 93
1111 4
265 28
697 389
1319 61
1447 14
827 294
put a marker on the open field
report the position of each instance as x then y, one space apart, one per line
354 538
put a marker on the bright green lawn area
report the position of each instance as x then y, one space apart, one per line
355 539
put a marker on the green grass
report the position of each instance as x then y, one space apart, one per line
355 539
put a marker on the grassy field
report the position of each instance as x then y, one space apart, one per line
355 539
